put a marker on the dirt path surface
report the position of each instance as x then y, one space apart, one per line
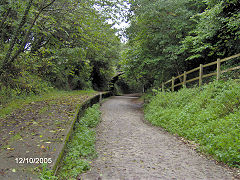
129 148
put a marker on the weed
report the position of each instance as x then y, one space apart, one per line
46 173
209 115
81 147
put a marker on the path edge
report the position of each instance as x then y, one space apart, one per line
78 114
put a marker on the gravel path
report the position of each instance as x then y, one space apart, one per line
131 149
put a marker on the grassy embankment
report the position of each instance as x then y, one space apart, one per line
81 147
209 116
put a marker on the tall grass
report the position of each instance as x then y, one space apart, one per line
209 115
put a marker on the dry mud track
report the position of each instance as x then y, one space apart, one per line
129 148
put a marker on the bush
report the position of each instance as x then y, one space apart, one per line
209 115
24 85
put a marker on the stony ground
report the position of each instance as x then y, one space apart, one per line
130 148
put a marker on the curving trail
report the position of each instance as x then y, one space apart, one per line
129 148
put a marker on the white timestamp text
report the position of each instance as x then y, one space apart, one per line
33 160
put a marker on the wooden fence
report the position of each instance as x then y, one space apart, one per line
218 72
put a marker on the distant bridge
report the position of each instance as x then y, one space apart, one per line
114 79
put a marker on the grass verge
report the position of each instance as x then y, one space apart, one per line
81 147
209 115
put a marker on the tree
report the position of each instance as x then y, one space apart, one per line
155 35
216 34
67 43
11 55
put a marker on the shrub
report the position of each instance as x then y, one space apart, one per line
24 85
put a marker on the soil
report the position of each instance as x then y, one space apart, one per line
130 148
35 131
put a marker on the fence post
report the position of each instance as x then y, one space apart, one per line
200 74
100 97
173 79
162 87
218 68
184 78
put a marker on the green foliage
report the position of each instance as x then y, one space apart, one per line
91 117
208 115
155 35
216 33
167 38
46 173
81 147
66 44
24 85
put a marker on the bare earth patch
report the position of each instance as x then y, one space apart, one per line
129 148
35 131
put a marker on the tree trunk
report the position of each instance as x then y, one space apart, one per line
23 44
14 39
9 59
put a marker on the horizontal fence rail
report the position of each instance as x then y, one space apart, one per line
201 75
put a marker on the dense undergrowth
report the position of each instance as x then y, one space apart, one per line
209 115
81 148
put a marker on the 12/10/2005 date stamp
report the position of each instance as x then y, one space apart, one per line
33 160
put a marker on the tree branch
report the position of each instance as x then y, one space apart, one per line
23 44
13 42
